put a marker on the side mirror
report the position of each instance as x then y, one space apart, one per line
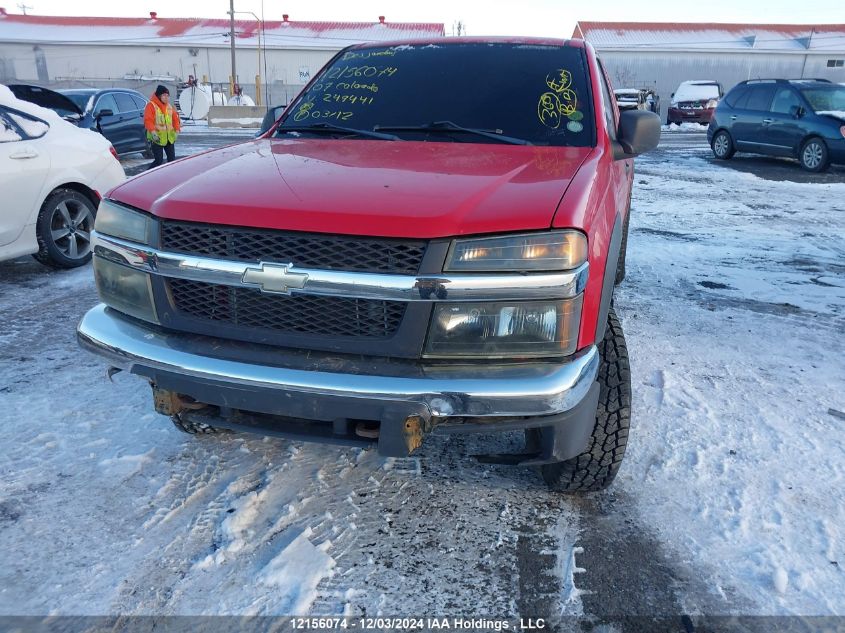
103 113
797 111
672 96
639 132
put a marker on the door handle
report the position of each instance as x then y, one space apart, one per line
24 153
768 120
733 117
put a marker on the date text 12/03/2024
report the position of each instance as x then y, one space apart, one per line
416 624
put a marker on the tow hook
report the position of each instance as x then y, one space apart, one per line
414 431
171 403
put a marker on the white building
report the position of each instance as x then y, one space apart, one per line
137 52
661 56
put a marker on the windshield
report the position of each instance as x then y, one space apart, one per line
827 99
697 92
539 94
79 98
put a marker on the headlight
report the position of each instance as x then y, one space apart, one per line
504 329
119 221
557 250
712 103
125 289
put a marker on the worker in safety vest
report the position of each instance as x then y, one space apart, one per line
162 124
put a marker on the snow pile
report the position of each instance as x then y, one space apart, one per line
127 465
684 127
8 134
295 572
31 128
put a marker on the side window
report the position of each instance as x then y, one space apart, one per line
785 99
18 126
742 100
607 105
8 132
124 102
140 104
106 102
31 127
735 96
760 97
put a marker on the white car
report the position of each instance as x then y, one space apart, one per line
52 177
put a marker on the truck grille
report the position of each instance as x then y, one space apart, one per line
297 314
309 250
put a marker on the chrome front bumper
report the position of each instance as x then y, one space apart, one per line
435 391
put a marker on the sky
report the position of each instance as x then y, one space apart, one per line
529 17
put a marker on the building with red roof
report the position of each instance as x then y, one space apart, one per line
662 55
76 51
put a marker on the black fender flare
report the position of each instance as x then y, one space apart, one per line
609 279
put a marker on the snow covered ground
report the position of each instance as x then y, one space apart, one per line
730 500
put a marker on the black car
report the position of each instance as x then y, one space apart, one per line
799 118
116 113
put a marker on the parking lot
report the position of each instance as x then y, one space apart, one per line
727 503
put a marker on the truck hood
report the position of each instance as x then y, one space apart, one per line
363 187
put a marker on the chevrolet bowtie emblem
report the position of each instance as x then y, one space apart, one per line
274 278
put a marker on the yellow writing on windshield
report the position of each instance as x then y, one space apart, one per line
365 54
369 72
328 97
560 102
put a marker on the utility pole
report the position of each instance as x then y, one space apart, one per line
234 79
807 54
24 7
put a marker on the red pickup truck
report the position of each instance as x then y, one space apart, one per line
427 241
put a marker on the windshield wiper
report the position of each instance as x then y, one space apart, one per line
330 128
445 127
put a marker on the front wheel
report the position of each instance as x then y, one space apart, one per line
723 146
814 155
64 228
595 468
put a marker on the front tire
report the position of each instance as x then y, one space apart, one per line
814 156
595 468
723 145
63 229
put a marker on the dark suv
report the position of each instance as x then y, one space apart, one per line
799 118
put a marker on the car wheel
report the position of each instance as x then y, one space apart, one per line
595 468
723 145
814 155
63 229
